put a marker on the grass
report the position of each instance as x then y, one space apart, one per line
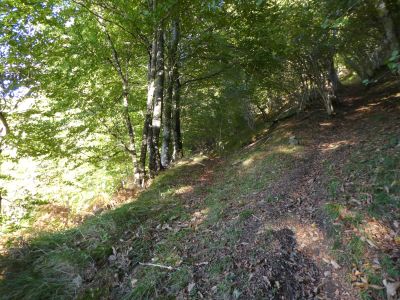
166 222
75 263
373 195
52 265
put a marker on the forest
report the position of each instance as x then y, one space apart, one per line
200 149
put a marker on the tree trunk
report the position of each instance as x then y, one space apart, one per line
167 109
388 25
176 120
333 77
131 146
4 129
147 127
154 154
166 131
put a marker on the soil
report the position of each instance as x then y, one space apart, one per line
285 252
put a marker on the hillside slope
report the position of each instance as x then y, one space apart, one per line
318 219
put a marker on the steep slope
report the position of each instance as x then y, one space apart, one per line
273 221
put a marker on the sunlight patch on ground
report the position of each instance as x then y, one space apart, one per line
199 217
248 162
191 161
390 97
378 232
363 109
187 189
335 145
307 235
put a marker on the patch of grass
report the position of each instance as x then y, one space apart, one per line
217 268
53 265
333 188
353 219
333 210
389 267
356 248
245 214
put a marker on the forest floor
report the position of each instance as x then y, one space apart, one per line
317 220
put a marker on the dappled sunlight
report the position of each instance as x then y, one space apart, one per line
378 233
191 161
268 154
248 162
335 145
188 189
198 217
307 235
363 109
390 97
326 124
309 238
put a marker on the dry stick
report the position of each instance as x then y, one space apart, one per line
157 265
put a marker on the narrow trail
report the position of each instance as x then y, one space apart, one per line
294 261
254 224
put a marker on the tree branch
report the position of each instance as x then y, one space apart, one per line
5 124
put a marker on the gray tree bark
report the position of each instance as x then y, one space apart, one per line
147 127
388 25
131 146
167 108
154 153
333 76
176 120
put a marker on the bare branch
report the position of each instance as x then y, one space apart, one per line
208 76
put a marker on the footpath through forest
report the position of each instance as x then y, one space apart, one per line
310 217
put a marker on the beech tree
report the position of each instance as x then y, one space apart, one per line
132 80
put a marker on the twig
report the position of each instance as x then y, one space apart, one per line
157 265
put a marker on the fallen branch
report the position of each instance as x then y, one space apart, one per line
157 265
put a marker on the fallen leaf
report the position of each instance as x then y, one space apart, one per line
376 287
278 285
327 273
133 282
191 286
391 288
236 294
396 224
335 264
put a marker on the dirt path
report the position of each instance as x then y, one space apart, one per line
284 251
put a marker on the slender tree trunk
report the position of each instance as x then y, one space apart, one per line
147 127
176 120
333 77
166 131
4 129
131 146
154 154
167 109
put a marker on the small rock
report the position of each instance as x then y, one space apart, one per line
112 258
327 273
133 282
335 264
191 286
